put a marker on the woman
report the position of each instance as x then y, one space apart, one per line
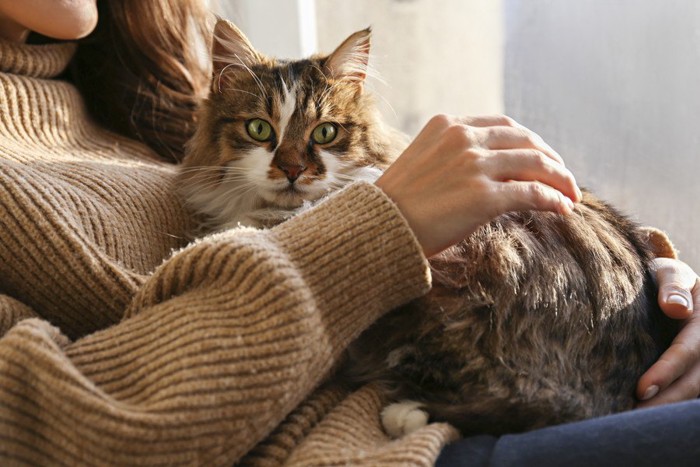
199 361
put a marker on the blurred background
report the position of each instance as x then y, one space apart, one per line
613 86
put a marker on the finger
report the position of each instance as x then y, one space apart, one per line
541 142
523 196
531 165
682 355
685 388
506 137
677 285
671 365
488 120
504 120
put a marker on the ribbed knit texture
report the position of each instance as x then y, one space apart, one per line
45 61
111 354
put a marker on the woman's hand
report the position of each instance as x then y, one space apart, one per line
676 375
460 173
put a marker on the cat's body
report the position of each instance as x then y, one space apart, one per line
536 319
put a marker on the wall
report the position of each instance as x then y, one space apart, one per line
614 87
281 28
434 55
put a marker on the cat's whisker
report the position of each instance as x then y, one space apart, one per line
243 192
239 190
241 90
232 187
316 67
253 75
207 183
236 174
233 168
241 171
388 104
212 185
200 169
341 126
221 75
246 176
233 183
341 174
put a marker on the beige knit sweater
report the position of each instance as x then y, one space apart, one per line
120 344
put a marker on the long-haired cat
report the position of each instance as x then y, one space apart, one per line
275 134
535 319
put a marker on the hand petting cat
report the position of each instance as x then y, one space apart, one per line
499 162
676 375
459 173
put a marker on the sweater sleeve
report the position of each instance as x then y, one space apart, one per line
220 343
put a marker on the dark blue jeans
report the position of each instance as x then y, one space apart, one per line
660 436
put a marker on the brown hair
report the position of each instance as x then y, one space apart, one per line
142 72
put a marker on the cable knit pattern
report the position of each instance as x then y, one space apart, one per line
122 344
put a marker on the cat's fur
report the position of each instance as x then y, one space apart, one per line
535 319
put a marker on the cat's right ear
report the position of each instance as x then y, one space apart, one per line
231 52
349 61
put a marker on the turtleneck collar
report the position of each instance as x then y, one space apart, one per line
37 61
46 119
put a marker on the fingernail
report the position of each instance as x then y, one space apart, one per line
578 192
678 300
650 392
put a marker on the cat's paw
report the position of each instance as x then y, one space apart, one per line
402 418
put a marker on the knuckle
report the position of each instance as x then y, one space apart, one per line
460 134
542 197
528 137
440 121
539 160
537 193
531 140
472 156
685 352
482 185
505 120
540 192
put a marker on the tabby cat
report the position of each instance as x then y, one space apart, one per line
535 319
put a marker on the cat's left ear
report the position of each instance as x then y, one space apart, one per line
231 51
349 60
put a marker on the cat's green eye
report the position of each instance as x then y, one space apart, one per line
259 129
324 133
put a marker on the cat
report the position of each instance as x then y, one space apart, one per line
536 319
257 157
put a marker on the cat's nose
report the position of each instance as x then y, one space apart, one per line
292 171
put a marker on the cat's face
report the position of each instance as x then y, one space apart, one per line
277 133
